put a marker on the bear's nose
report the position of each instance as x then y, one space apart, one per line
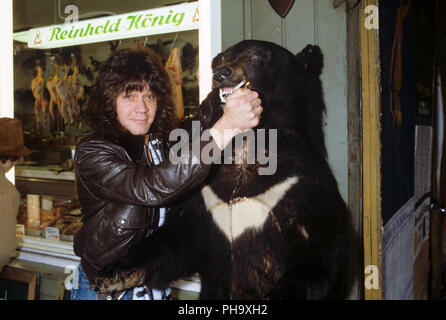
222 74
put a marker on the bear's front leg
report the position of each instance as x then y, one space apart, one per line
167 255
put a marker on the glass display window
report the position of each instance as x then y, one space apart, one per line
52 88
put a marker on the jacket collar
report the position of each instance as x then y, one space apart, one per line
134 145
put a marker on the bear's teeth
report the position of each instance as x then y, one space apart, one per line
224 92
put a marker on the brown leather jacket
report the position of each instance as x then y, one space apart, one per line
119 197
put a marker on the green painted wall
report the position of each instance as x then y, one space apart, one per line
308 22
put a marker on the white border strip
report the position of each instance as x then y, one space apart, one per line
210 42
6 66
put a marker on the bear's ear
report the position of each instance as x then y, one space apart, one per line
310 60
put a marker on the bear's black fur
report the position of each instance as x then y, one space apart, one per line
301 249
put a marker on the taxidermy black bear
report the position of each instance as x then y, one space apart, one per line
250 235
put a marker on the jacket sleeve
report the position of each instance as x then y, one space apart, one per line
109 174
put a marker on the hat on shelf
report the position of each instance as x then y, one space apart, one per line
11 138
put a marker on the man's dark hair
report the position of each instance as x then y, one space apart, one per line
5 157
127 70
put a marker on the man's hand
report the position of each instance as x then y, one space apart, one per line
241 112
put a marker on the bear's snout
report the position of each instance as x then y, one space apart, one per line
222 74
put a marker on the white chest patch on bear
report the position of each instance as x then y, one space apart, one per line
235 217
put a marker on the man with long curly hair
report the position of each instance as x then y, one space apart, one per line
123 174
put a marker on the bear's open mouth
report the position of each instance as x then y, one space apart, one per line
224 92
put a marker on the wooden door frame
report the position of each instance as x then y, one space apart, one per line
371 146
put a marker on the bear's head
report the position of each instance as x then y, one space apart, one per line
288 85
267 66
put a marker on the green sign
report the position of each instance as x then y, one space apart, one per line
175 18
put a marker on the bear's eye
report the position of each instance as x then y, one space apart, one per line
255 56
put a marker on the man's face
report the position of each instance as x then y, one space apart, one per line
136 110
8 165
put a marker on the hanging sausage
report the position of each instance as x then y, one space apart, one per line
40 102
173 67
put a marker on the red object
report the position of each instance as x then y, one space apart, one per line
282 7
